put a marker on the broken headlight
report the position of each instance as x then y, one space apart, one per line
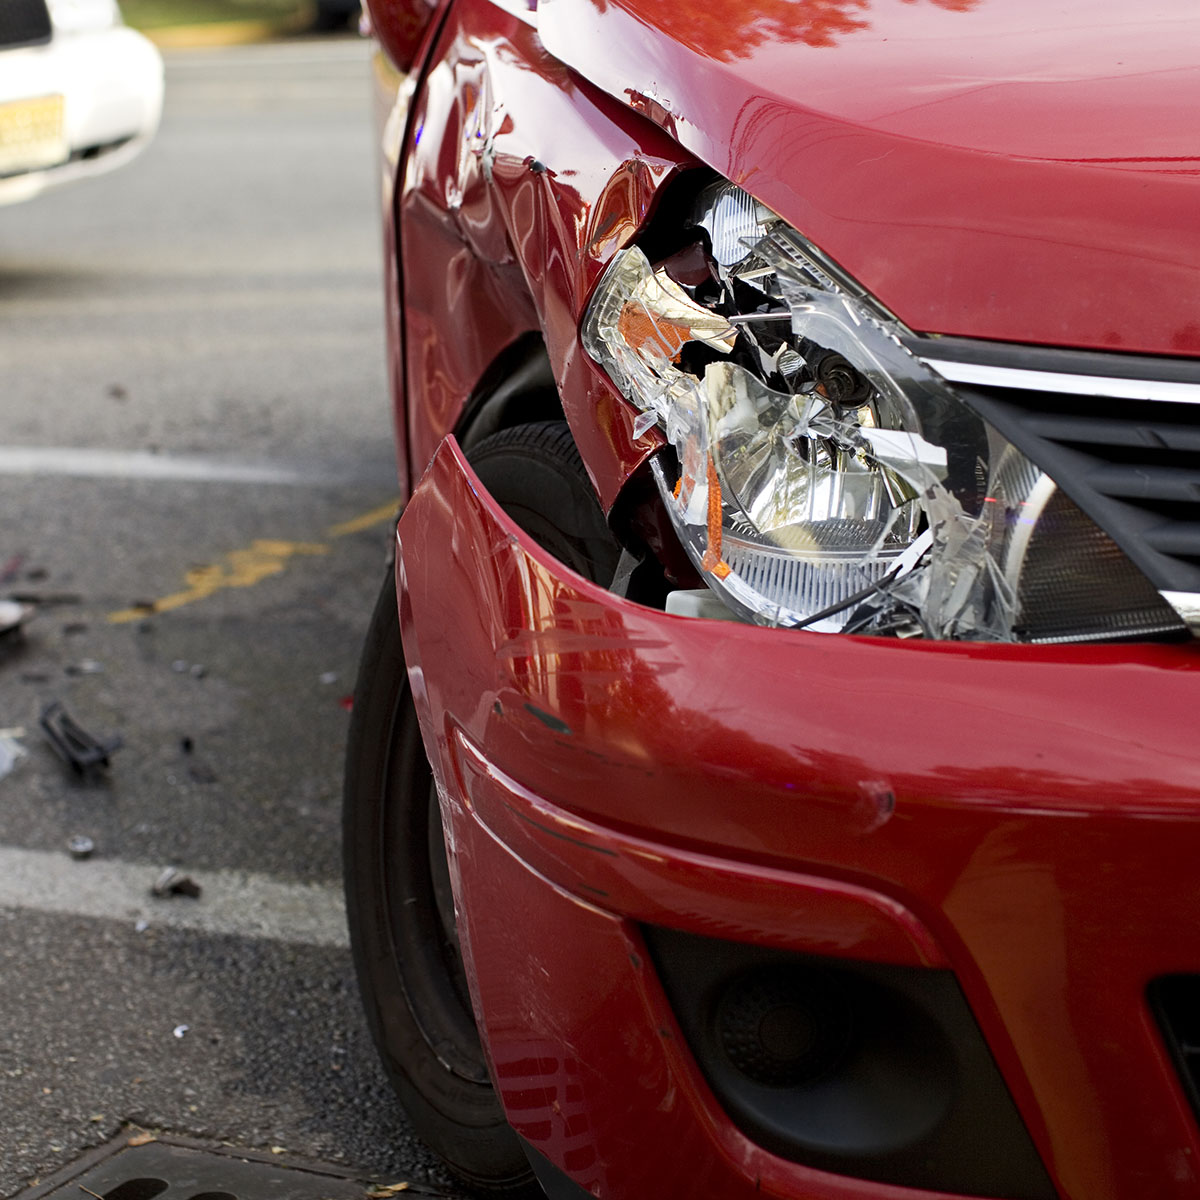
823 476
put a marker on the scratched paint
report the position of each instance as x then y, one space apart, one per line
263 559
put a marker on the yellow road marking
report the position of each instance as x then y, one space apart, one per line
262 559
385 512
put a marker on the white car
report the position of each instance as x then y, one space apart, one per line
80 93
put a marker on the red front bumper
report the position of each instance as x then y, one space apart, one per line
1028 817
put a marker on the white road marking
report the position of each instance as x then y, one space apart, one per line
232 902
214 303
80 463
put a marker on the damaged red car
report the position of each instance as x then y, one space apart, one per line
774 767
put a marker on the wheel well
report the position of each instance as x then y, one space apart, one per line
517 389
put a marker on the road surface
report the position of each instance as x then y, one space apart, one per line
194 427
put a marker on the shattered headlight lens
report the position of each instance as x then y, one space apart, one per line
828 479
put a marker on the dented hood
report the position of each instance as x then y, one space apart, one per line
988 168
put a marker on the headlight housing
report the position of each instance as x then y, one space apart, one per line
825 477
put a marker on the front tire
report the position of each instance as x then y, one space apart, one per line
398 899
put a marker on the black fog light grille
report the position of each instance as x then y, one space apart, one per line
867 1070
783 1028
1175 1000
24 22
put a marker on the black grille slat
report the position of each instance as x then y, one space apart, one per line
1181 538
24 23
1099 431
1147 481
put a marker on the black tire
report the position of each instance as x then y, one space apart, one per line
398 898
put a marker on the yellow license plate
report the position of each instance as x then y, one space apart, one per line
31 134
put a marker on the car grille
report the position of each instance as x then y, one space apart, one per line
1131 462
1175 1000
24 22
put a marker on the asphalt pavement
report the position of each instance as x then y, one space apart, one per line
197 484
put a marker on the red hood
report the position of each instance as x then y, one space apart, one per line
1008 169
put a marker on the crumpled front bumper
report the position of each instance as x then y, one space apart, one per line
1028 817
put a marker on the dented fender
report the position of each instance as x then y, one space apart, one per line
520 183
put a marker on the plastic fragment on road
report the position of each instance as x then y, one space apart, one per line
85 666
13 616
11 750
80 847
172 882
78 748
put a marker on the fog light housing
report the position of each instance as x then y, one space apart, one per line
866 1070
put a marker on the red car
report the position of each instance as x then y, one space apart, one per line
775 767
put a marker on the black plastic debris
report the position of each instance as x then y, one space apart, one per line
79 749
172 882
46 599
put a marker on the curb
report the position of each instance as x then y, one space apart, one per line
220 33
231 33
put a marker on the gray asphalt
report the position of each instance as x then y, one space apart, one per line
217 301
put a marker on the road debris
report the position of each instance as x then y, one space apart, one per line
46 599
13 616
85 666
172 882
328 677
181 1031
141 1138
381 1191
10 755
79 749
80 847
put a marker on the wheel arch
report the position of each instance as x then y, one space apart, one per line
518 388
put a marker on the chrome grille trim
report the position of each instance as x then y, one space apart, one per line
1074 385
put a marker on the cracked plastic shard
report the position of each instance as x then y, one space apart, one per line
643 323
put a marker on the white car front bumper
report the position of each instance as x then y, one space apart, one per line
111 84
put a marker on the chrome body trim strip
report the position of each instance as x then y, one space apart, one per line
1076 385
